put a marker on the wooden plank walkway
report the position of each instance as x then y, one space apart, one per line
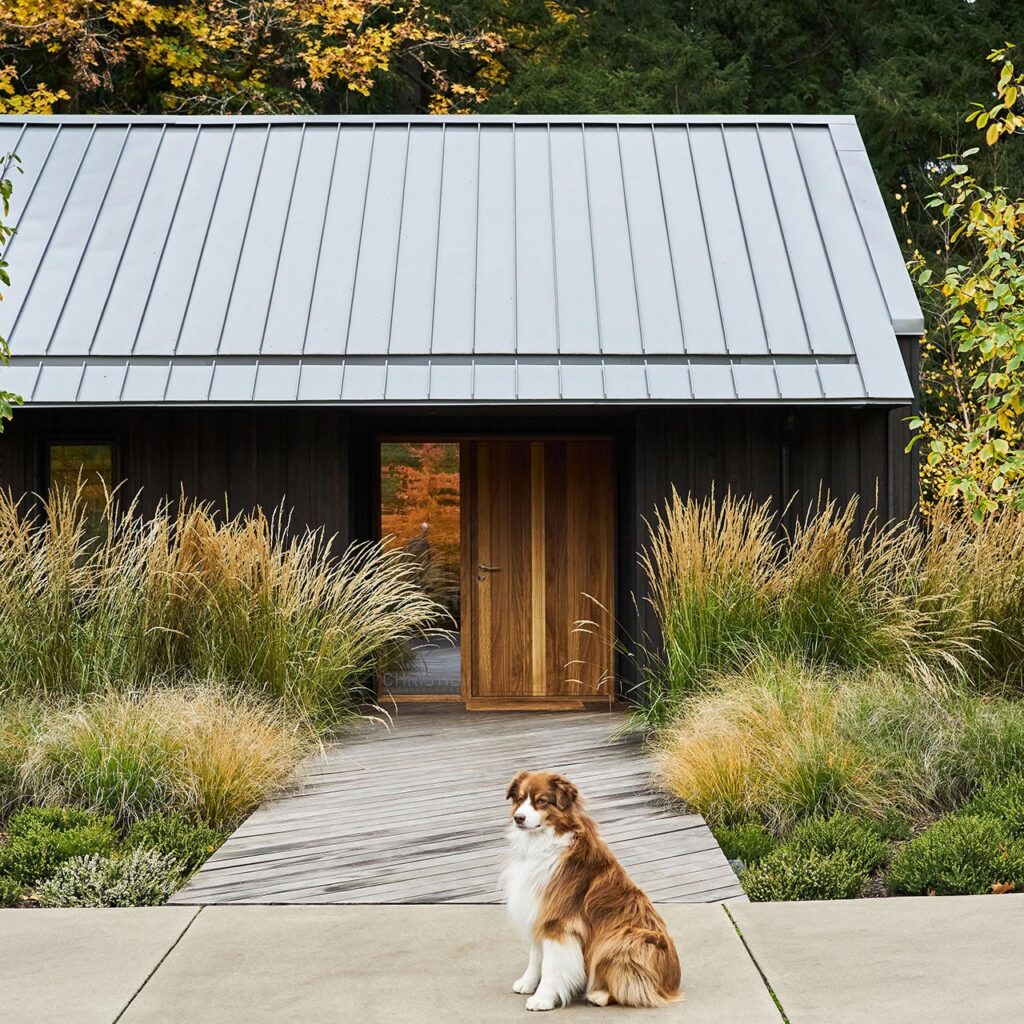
417 814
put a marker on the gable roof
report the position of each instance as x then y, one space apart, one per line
451 260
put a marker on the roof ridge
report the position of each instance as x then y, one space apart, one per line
468 119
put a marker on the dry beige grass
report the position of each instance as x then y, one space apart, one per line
194 750
779 741
185 595
844 591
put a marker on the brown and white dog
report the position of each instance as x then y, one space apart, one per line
590 929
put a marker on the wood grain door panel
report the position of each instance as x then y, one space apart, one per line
538 561
501 569
579 567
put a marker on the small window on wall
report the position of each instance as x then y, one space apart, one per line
86 466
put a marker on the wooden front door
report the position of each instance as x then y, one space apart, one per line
538 560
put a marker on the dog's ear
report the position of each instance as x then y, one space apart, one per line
515 786
565 792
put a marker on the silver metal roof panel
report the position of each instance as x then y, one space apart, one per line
511 257
362 380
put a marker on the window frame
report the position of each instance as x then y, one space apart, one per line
49 441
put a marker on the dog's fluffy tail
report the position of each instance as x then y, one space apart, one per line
642 969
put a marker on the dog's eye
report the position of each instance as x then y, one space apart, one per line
543 802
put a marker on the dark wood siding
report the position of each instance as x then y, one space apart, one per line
322 463
786 454
235 458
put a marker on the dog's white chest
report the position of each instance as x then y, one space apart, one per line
532 863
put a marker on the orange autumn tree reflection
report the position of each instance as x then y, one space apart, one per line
420 511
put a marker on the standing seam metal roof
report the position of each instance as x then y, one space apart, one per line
194 260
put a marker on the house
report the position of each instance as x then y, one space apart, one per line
590 311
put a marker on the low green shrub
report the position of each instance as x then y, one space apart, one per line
187 842
842 833
893 825
790 874
959 855
54 819
1005 801
139 878
11 892
41 839
748 842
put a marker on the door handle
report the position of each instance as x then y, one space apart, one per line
489 568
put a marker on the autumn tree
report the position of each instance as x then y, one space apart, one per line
256 56
972 285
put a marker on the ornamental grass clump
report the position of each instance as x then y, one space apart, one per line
708 567
768 744
199 751
973 573
781 741
186 595
940 604
18 721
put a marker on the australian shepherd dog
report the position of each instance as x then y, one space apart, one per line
591 930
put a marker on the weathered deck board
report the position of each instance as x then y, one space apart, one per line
416 814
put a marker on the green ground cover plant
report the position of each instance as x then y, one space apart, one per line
40 839
11 893
960 854
1004 801
136 878
189 843
862 845
790 874
69 857
746 843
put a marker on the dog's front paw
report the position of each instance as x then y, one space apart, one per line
526 984
542 1001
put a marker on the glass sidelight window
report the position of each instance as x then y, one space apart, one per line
86 466
420 512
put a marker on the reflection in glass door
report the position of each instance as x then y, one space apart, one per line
420 512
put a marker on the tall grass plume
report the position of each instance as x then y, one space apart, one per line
185 595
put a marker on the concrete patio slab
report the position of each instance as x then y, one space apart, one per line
410 965
926 960
80 966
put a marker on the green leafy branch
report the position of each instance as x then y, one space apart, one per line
975 292
7 399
